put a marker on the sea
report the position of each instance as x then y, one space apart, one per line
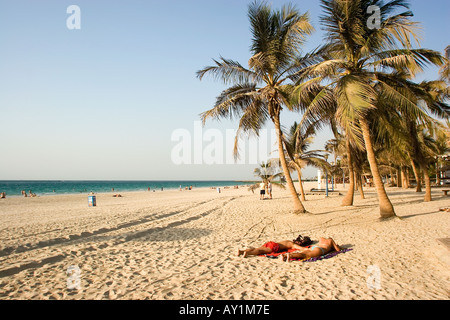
57 187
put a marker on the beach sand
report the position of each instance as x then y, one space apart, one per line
183 245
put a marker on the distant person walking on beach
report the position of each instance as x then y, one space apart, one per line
262 190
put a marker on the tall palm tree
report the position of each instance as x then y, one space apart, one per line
361 65
260 92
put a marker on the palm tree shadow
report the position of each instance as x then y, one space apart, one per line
349 208
417 215
171 234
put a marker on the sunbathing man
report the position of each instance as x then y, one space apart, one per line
270 247
322 248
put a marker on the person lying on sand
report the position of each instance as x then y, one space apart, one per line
270 247
322 248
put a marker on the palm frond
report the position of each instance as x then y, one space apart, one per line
232 102
229 71
405 60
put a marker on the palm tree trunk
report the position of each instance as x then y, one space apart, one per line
298 206
404 178
360 185
348 199
427 183
438 173
386 207
407 177
299 173
416 174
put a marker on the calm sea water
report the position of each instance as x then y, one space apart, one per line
41 188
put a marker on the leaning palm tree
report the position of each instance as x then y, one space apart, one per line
362 63
297 143
260 92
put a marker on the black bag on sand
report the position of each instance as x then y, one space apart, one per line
302 241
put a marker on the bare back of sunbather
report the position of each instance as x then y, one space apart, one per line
323 247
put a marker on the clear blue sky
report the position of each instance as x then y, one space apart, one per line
102 102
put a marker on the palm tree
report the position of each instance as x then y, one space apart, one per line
260 92
442 138
268 172
408 150
429 152
360 165
297 143
348 199
420 146
342 147
361 65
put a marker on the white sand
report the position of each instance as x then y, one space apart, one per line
182 245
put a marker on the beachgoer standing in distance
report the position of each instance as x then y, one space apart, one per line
262 190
